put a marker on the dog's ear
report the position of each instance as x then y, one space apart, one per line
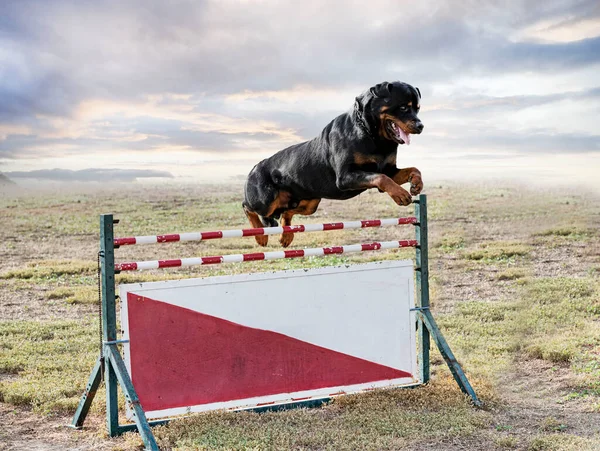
418 92
382 90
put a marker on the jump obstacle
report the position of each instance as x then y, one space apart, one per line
196 344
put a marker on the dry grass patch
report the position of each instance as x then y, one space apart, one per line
511 274
551 424
575 233
379 420
506 441
498 251
75 295
554 351
51 269
450 242
561 442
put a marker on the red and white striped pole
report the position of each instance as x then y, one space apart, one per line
261 231
295 253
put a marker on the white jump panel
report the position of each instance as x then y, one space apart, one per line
259 339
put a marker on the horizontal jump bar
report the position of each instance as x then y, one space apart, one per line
261 231
295 253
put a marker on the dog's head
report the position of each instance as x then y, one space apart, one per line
391 111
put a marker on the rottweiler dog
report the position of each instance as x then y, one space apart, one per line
355 152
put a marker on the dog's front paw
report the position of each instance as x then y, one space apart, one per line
416 183
401 196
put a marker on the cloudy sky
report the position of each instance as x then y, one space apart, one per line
202 90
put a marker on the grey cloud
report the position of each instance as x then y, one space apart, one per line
487 157
25 95
539 57
89 175
160 134
476 103
522 142
127 50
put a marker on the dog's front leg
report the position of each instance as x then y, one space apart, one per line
356 180
407 175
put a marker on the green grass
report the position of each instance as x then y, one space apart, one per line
50 360
488 233
551 319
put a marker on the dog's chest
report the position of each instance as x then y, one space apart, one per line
374 162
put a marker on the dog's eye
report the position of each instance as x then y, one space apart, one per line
403 108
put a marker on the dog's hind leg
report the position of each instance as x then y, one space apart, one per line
263 202
255 222
305 207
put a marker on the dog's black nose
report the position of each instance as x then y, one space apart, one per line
419 126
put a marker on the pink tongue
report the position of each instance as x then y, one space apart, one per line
404 136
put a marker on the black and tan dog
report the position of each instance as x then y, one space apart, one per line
355 152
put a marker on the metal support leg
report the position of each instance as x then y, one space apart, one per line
442 344
118 366
88 395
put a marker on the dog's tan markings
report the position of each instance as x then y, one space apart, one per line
402 176
400 124
409 104
412 175
362 159
281 201
393 189
382 129
305 207
390 160
255 222
382 117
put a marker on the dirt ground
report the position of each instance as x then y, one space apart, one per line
489 244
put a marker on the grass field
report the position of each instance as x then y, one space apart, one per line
515 289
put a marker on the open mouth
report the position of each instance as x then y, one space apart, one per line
396 133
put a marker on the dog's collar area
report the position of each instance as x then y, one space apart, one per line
362 123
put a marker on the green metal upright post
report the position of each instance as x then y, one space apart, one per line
427 326
109 319
422 274
110 364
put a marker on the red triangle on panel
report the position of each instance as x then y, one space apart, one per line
180 357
